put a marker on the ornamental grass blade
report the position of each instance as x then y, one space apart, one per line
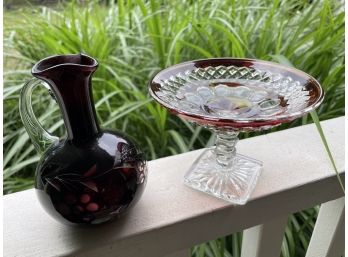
322 136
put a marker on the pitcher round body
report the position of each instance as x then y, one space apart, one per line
93 175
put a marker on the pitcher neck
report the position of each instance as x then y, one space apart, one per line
69 77
78 111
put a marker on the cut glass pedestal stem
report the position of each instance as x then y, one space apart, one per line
225 149
223 173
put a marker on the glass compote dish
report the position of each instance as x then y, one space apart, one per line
228 96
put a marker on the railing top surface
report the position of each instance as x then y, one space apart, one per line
170 216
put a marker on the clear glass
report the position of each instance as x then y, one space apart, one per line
230 96
223 173
40 138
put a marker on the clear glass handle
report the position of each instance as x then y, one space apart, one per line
38 135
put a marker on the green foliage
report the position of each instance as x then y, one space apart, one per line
323 139
133 39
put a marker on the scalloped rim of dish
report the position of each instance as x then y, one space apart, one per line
278 118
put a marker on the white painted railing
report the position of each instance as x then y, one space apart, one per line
170 217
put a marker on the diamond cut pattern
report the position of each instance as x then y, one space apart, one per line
291 90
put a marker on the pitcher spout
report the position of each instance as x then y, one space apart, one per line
46 68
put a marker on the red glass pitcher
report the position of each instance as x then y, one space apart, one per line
93 175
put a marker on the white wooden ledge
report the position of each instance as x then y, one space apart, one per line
171 217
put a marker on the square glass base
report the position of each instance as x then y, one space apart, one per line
234 184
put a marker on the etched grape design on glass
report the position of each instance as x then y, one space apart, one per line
230 96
